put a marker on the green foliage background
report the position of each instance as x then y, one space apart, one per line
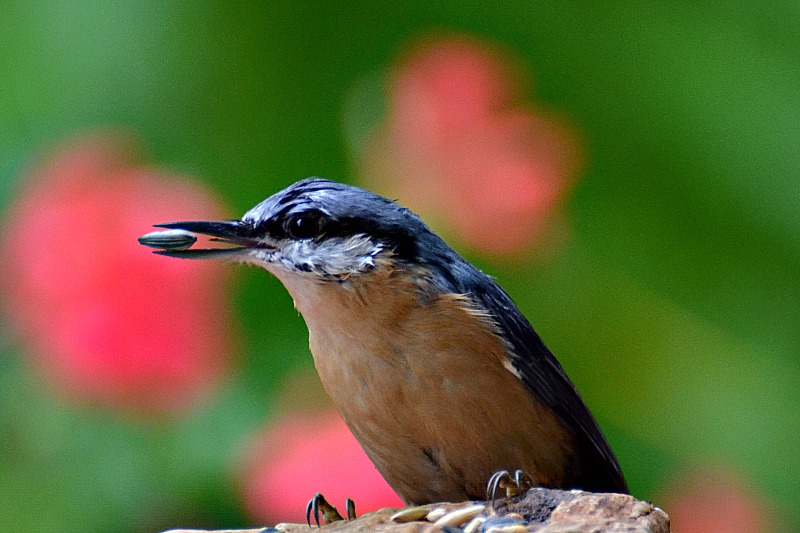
675 308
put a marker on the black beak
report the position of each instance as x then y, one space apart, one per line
177 241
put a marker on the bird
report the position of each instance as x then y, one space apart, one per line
432 366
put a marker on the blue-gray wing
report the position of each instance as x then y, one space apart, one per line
538 368
545 378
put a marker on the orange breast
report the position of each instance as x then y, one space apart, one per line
423 386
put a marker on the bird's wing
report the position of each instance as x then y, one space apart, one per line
544 377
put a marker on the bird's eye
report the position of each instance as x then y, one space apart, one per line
304 226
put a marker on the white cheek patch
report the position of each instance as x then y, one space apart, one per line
331 257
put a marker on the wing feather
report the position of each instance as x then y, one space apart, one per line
544 377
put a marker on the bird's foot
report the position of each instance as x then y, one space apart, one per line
319 505
513 485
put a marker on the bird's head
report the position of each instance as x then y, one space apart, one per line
317 229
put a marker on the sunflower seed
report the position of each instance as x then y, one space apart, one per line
174 239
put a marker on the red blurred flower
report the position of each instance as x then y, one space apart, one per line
107 321
458 145
303 454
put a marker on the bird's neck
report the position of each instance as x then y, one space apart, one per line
376 299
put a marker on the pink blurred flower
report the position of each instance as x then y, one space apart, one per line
458 144
302 454
104 319
714 499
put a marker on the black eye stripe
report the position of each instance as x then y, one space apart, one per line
310 223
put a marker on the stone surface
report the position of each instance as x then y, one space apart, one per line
538 510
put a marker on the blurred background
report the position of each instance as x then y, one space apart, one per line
629 173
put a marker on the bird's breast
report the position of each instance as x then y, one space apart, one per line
425 387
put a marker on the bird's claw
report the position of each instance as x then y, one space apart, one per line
514 486
350 505
319 505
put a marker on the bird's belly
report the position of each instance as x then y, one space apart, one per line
439 418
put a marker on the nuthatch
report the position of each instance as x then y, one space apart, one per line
430 363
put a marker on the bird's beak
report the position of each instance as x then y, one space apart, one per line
239 235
